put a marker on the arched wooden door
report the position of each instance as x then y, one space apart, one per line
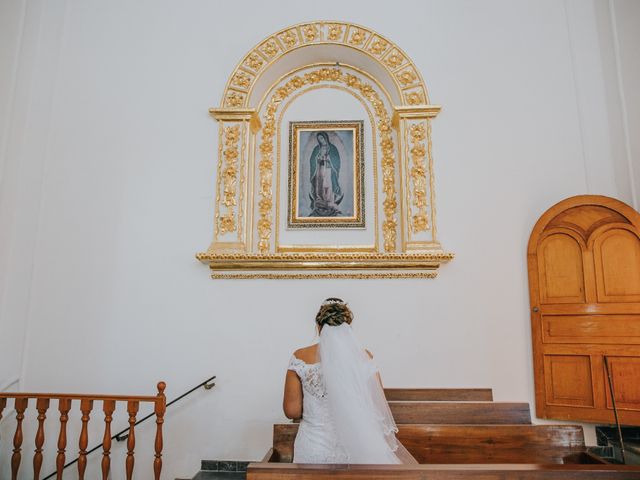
584 286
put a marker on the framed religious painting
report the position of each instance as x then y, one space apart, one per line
326 174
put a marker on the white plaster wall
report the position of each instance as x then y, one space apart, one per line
11 23
107 193
625 18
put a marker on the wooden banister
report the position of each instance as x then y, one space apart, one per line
108 407
132 410
86 405
64 405
42 405
21 406
159 410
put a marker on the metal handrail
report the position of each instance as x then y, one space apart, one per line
9 382
208 384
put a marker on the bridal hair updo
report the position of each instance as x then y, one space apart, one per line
333 312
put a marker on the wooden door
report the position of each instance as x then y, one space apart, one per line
584 286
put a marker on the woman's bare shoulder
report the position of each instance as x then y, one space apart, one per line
307 354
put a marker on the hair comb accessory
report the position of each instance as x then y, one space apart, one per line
333 300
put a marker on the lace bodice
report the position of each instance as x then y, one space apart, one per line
316 441
310 375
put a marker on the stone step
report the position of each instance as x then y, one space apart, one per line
222 470
209 475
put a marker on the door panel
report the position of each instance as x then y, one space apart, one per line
616 329
617 265
561 271
568 380
627 393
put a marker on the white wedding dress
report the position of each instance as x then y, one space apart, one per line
316 441
345 416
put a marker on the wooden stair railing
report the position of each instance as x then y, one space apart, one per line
109 404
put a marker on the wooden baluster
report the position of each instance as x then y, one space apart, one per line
108 406
20 405
86 406
42 405
132 409
3 403
160 408
64 405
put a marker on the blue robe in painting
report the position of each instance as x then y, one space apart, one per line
317 207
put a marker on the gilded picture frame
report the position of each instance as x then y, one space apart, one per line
326 174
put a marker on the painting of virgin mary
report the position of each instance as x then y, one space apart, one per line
326 193
326 168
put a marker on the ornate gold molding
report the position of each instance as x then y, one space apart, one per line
314 248
401 70
401 134
384 125
231 174
418 195
348 263
229 178
418 173
325 275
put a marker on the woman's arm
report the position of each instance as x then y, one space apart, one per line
292 402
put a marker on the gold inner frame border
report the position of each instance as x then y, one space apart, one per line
295 129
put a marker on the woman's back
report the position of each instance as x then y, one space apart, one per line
316 441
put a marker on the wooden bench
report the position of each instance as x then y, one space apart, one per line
458 434
283 471
501 452
492 443
471 443
461 412
439 394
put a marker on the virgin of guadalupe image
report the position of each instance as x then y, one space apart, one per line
326 193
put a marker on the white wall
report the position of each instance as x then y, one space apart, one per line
625 19
108 180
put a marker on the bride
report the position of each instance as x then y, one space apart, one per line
335 388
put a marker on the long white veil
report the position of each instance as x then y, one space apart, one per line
358 408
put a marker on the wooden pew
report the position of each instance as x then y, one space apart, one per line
283 471
500 452
458 434
470 443
492 443
439 394
469 413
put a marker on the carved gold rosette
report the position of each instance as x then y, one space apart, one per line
385 81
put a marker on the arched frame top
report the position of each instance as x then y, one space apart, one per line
324 41
618 212
395 98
